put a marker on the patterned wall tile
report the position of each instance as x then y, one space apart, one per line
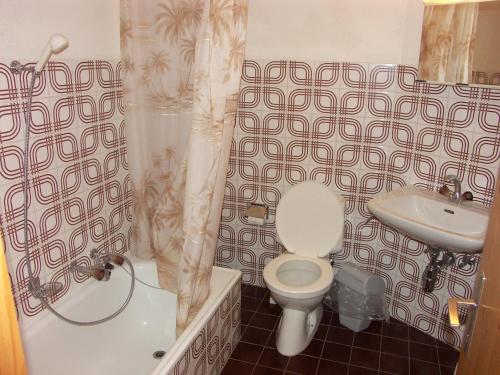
79 190
361 129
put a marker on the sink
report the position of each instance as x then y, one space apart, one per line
433 219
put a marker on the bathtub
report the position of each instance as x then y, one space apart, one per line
125 345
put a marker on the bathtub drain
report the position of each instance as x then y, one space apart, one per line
158 354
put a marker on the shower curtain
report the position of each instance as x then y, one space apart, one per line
447 47
181 61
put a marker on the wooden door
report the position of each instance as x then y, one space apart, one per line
483 355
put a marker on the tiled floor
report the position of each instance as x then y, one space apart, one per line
393 348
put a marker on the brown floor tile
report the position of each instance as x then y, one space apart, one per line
393 364
327 316
444 345
420 337
448 357
330 367
259 370
367 341
246 315
384 348
364 358
321 332
263 321
314 348
423 368
269 308
234 367
272 358
423 352
354 370
250 304
395 330
271 342
395 346
335 320
255 335
303 364
336 352
254 291
247 352
375 328
447 370
340 335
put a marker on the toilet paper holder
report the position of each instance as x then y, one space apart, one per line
257 211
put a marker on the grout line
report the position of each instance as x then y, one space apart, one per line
324 341
409 355
437 354
350 355
261 346
380 347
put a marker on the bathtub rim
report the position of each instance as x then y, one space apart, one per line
182 343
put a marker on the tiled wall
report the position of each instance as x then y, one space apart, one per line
212 347
361 129
79 186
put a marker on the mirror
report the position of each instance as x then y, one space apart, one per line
460 43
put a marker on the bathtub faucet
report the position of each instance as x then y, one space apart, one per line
97 271
106 259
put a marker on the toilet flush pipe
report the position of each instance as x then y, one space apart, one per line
302 326
291 342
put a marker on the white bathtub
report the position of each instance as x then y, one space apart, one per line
125 345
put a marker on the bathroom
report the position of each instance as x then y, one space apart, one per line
326 91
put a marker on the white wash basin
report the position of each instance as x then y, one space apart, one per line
432 219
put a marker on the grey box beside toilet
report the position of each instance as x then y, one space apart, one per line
362 282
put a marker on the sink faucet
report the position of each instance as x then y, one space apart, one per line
456 195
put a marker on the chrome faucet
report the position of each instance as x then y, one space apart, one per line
97 271
100 270
455 195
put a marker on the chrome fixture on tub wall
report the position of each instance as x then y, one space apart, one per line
67 173
101 270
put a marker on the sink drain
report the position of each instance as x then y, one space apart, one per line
158 354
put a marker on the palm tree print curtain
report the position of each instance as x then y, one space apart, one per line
182 63
447 46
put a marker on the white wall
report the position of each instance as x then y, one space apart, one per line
92 27
381 31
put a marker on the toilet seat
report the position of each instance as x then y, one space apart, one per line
310 220
319 286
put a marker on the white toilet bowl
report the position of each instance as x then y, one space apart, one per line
298 285
310 224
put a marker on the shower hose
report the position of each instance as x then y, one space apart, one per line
38 290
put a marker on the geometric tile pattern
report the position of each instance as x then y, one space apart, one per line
383 348
79 189
210 350
361 129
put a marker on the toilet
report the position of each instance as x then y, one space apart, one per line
310 225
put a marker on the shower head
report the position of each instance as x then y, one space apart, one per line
56 44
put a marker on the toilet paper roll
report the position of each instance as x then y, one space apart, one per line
256 220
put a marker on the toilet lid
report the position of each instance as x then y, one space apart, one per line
310 219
